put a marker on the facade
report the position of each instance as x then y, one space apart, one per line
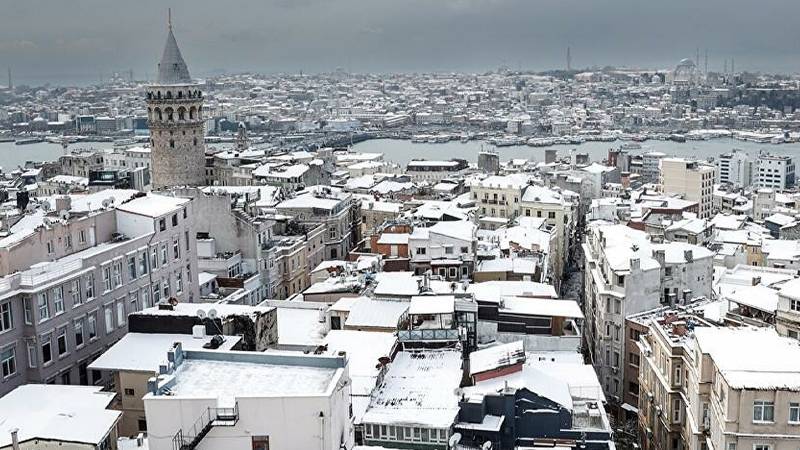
776 172
175 119
735 169
498 196
446 249
787 314
558 211
690 179
59 316
435 171
247 400
627 275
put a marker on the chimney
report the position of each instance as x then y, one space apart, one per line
625 179
756 281
688 255
14 439
63 203
679 328
634 264
660 256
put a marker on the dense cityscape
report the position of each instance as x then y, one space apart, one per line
581 258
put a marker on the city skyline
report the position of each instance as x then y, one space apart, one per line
85 41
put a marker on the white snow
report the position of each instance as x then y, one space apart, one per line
57 412
496 356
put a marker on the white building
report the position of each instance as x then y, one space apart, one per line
776 172
690 179
245 400
735 169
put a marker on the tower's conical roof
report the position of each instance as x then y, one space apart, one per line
172 68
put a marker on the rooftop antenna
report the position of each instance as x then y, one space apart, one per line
569 59
169 18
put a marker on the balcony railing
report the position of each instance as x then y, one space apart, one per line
428 335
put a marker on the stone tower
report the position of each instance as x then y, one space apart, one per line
175 118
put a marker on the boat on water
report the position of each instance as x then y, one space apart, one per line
27 141
677 138
6 139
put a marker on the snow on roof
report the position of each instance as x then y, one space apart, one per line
344 304
432 304
780 219
94 201
69 179
492 291
759 297
153 205
205 378
205 277
531 378
364 349
430 163
542 307
692 225
512 181
144 352
280 171
541 194
309 201
419 389
515 265
459 229
300 327
396 284
752 358
496 356
365 312
393 239
58 413
728 222
223 310
389 186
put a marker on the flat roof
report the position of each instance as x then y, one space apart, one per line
153 205
57 412
204 378
144 352
432 304
542 307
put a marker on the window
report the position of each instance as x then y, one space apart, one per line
165 286
677 373
178 282
58 300
421 250
448 250
107 278
763 411
47 350
551 215
134 301
79 339
634 359
91 325
43 306
75 292
761 447
117 273
82 236
129 392
132 267
89 286
154 257
33 357
794 413
262 442
145 292
108 315
176 248
162 224
156 292
676 410
61 341
795 305
6 320
68 241
121 313
50 247
28 313
174 220
8 361
143 263
163 254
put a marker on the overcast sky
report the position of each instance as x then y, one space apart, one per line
77 40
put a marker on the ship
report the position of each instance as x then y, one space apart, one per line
27 141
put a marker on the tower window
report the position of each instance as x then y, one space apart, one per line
171 143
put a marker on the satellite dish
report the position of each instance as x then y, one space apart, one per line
64 214
201 314
212 314
454 439
46 205
107 202
487 445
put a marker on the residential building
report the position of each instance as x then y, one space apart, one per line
735 169
774 171
692 180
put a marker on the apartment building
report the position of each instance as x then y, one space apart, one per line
625 274
735 169
774 171
447 249
57 316
560 212
339 211
434 171
787 314
692 180
742 390
498 196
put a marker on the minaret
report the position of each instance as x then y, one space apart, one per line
175 118
242 143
